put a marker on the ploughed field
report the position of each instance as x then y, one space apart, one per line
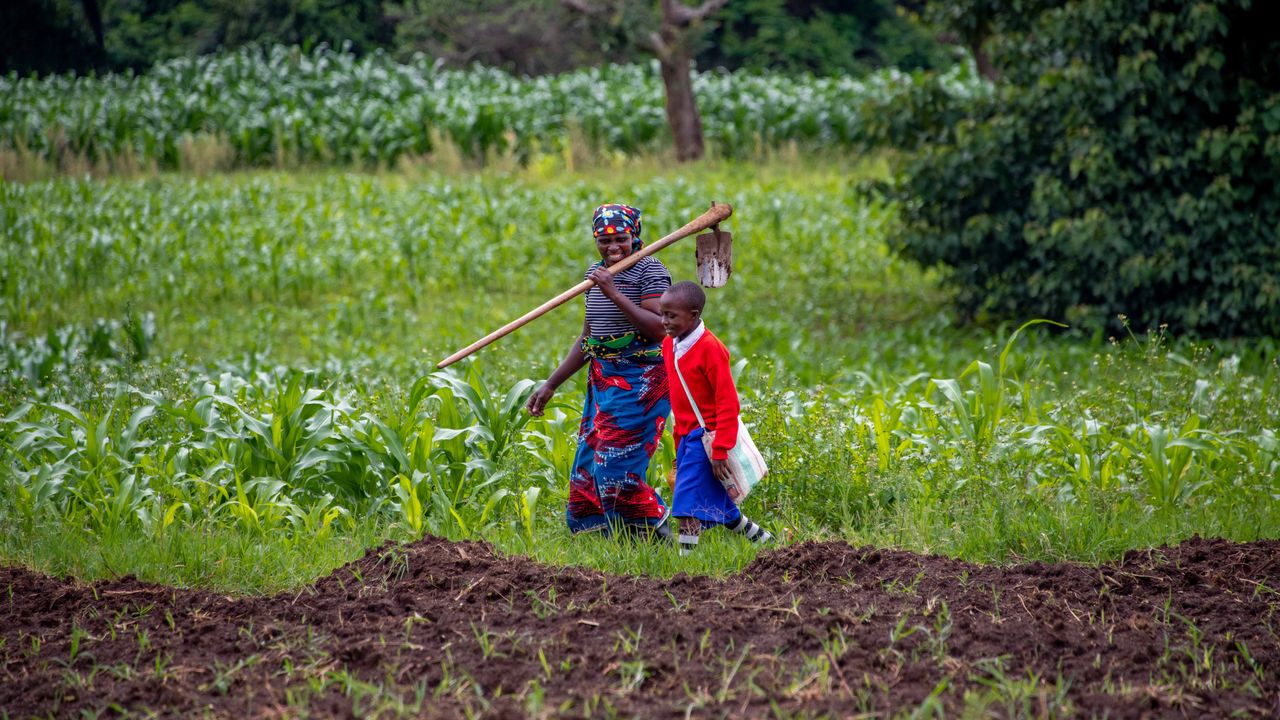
814 629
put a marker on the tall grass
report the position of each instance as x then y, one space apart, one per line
313 266
287 457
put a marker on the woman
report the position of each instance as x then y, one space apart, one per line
627 404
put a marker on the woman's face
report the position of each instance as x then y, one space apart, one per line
614 247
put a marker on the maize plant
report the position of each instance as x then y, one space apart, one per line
268 106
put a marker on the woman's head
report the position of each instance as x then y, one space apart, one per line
616 228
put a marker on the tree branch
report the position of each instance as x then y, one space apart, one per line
681 15
585 7
93 11
654 44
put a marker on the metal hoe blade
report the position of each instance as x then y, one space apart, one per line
715 258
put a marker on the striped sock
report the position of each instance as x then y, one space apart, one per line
687 543
754 532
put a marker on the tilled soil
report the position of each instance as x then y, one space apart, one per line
453 629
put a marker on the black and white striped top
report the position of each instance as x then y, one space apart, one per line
645 280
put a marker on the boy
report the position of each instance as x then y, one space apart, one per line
699 497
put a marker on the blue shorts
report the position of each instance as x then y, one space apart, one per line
698 493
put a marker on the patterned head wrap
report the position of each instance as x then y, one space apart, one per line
613 218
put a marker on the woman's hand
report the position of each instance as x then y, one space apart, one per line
604 280
539 399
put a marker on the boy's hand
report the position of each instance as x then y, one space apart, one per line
721 470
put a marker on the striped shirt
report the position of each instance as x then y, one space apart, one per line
645 280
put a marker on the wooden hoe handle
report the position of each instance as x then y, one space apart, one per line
716 215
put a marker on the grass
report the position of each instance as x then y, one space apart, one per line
213 556
225 381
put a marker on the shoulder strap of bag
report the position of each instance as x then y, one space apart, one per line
676 361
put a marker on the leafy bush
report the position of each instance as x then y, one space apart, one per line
828 37
1126 165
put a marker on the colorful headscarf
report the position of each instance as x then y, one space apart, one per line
613 218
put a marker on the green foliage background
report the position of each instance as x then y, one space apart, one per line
1126 165
44 36
826 37
142 32
520 36
281 106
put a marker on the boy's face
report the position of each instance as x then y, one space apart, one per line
677 318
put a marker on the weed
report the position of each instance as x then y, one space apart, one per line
486 640
77 634
224 673
628 641
897 587
544 608
729 673
632 674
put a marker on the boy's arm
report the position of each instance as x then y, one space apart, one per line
727 407
673 387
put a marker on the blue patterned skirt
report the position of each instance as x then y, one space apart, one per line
622 422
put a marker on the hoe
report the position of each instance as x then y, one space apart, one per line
714 258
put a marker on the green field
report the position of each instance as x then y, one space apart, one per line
227 381
280 107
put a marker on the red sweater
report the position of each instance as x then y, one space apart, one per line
706 369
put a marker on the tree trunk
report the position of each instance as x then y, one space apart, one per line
93 12
983 61
678 27
682 107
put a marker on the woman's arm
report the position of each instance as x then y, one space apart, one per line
572 363
646 317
